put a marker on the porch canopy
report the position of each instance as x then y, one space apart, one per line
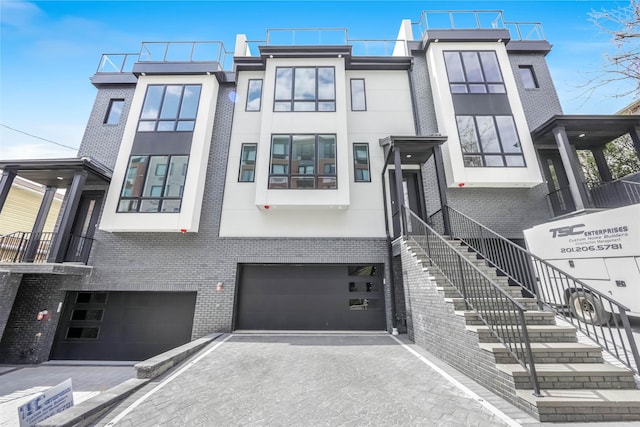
70 173
569 133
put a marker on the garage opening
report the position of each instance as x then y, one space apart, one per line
122 325
311 297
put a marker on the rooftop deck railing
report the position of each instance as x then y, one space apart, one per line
476 20
117 62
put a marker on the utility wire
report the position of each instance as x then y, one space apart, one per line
38 137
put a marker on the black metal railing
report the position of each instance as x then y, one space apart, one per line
614 194
493 304
598 316
561 201
27 247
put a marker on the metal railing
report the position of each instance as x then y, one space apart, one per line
117 62
561 201
476 20
187 51
497 309
614 194
599 317
27 247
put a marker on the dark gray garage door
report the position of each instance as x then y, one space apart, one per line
311 297
122 325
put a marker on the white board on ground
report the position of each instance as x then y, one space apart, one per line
51 402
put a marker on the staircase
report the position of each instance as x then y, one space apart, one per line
576 383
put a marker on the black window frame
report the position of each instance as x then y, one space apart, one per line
364 93
177 120
240 170
316 175
468 84
291 100
481 153
161 199
246 105
110 110
355 162
534 78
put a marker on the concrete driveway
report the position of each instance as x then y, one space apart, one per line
309 380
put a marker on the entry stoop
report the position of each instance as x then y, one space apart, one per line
577 385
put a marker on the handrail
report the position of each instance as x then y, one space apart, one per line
591 311
495 307
614 194
28 247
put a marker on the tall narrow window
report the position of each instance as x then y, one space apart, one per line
358 99
305 89
361 162
114 112
489 141
473 72
169 108
247 163
254 95
528 77
303 162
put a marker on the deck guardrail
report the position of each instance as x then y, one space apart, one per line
494 305
614 194
598 316
27 247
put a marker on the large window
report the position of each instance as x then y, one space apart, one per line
305 89
254 95
303 162
154 184
114 112
358 98
489 141
473 72
247 163
169 108
361 162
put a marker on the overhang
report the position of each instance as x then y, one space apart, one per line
413 149
585 132
58 172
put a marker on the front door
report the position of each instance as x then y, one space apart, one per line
84 226
558 183
413 196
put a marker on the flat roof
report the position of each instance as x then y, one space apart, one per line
585 131
58 172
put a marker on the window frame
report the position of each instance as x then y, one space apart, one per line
143 184
364 94
177 120
242 148
112 101
355 168
317 176
292 100
532 73
499 139
246 105
468 84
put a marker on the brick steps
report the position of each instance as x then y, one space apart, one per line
559 352
571 376
451 292
509 317
537 333
459 304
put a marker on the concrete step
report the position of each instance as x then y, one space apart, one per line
559 352
537 333
571 376
459 304
584 405
509 317
451 292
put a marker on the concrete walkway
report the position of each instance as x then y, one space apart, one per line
310 380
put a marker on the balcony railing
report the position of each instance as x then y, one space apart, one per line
117 62
27 247
614 194
561 201
476 20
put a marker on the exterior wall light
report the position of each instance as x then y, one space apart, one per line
183 230
219 287
461 185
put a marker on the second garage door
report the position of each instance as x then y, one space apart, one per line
311 297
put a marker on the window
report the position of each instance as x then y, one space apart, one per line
305 89
303 162
114 112
361 162
358 99
528 77
254 95
169 108
154 184
247 163
474 72
489 141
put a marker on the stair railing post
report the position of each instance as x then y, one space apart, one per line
632 343
462 281
532 366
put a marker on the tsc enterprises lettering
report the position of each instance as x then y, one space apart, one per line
51 402
601 239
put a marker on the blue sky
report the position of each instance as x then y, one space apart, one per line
49 49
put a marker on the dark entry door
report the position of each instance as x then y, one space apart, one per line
84 226
412 187
311 297
557 182
122 325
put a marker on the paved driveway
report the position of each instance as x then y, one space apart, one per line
304 380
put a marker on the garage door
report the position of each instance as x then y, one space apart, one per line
122 325
311 297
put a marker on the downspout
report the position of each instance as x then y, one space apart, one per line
392 287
